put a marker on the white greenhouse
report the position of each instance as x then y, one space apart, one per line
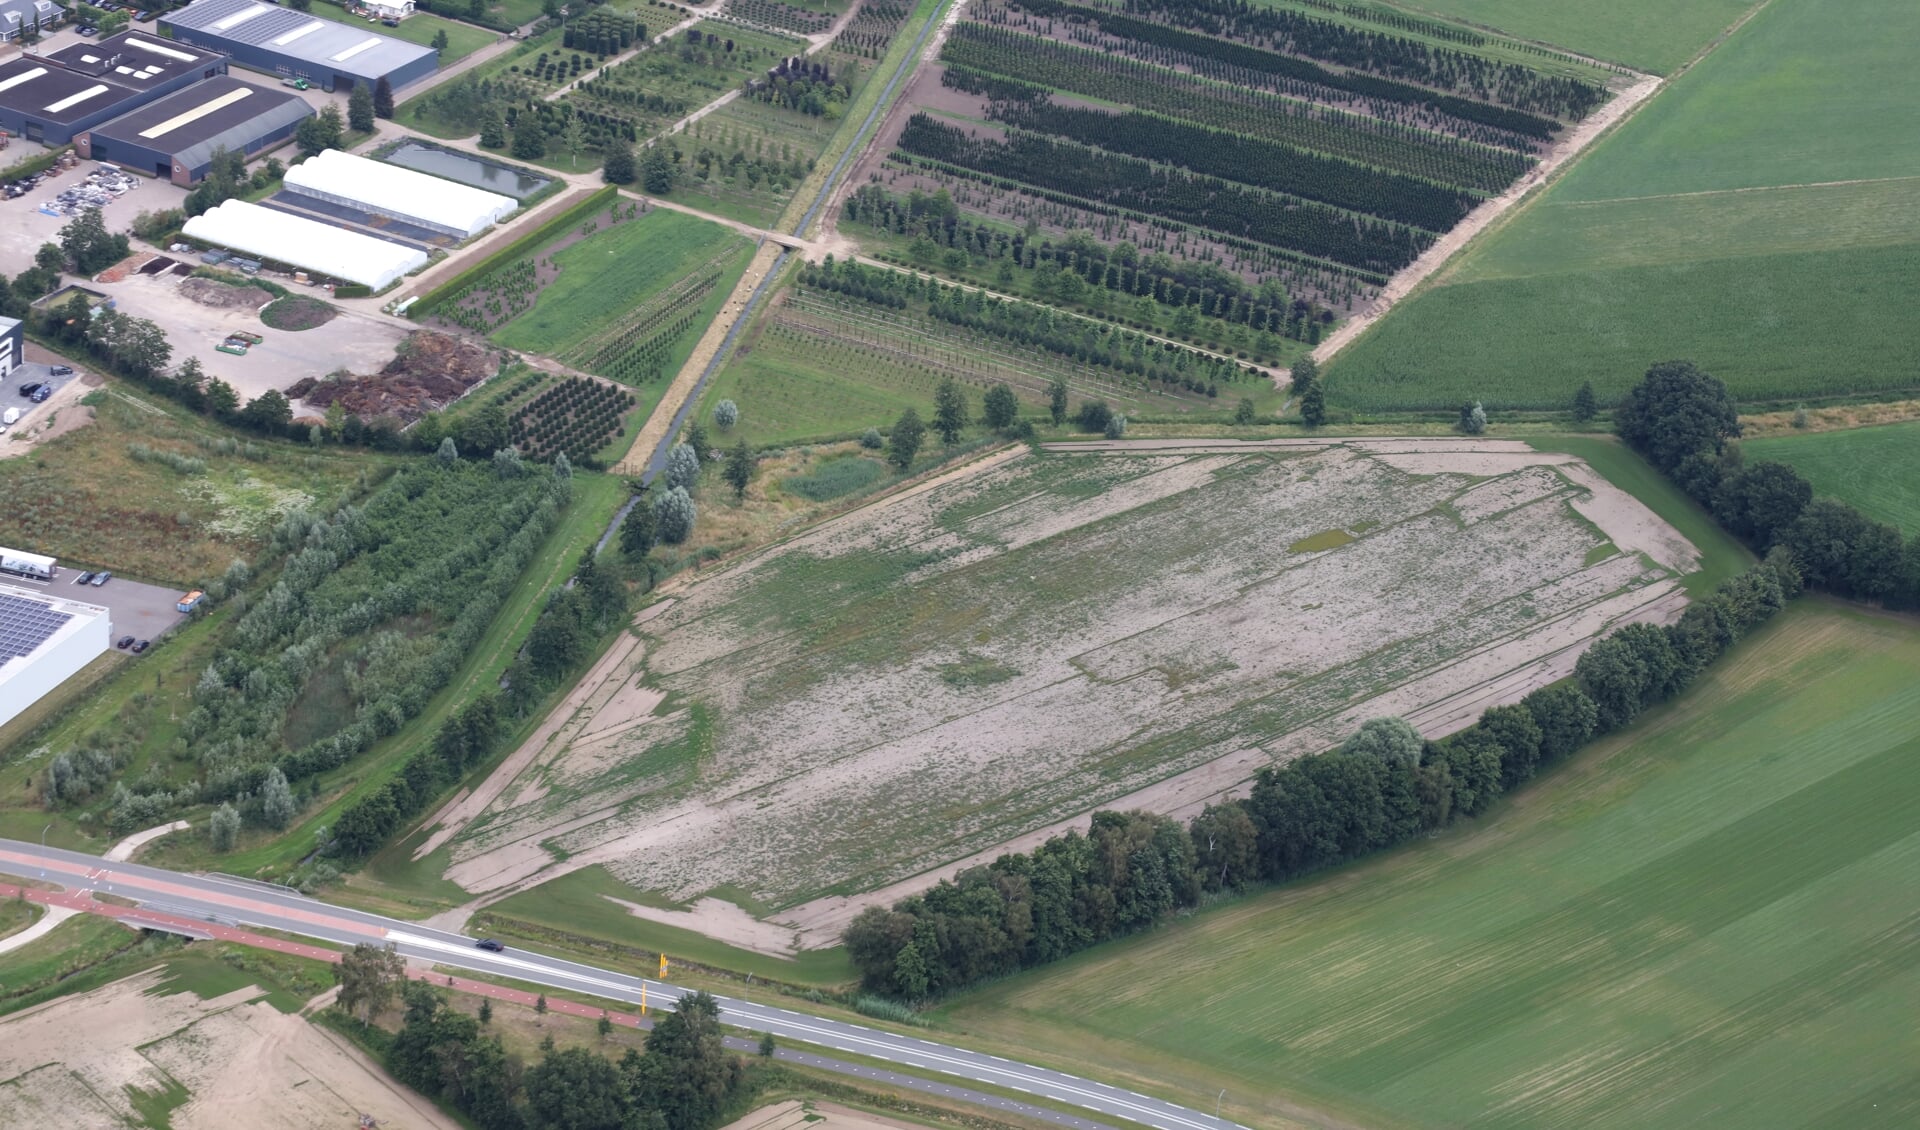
389 190
308 244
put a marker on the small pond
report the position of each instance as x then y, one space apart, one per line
467 170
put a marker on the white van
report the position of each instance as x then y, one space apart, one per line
10 417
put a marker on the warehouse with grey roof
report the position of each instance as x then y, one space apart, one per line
330 54
177 136
51 97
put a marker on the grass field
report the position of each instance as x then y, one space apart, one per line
1708 227
609 273
420 28
1707 920
1875 469
1644 34
104 496
577 903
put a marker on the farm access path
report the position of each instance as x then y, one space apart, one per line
684 391
1639 89
221 907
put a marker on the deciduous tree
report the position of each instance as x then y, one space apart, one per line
904 443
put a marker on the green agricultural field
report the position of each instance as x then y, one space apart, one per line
1707 920
1875 469
1648 35
788 392
1708 228
612 271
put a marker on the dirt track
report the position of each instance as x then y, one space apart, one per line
1570 146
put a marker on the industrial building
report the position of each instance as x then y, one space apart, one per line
44 641
50 98
401 194
13 342
330 54
177 136
18 17
323 249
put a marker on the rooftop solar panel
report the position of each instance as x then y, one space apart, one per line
25 625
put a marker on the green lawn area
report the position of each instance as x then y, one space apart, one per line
1875 469
1706 920
84 952
1705 228
1646 34
462 39
577 904
421 27
610 272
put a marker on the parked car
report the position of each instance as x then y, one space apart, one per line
61 370
83 578
89 32
143 17
391 23
123 643
491 945
102 577
29 389
142 646
40 394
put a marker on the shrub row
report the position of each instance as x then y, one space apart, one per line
1384 786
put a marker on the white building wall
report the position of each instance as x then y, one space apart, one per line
404 194
24 682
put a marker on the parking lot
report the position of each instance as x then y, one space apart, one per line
26 375
24 227
136 609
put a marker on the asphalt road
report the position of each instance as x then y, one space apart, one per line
228 904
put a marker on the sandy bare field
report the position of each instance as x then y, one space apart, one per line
69 1063
977 663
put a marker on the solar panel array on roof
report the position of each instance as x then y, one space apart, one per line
25 625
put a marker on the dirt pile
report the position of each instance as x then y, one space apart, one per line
224 296
428 372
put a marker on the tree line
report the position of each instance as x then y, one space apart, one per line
1135 34
1178 284
573 620
686 1079
1025 324
1684 422
1343 45
1381 787
1241 111
1085 173
1232 157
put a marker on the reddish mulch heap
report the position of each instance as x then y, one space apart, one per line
428 372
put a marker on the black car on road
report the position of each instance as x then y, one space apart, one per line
491 945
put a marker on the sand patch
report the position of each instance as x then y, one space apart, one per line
68 1063
1152 635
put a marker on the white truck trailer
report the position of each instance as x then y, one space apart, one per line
23 564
